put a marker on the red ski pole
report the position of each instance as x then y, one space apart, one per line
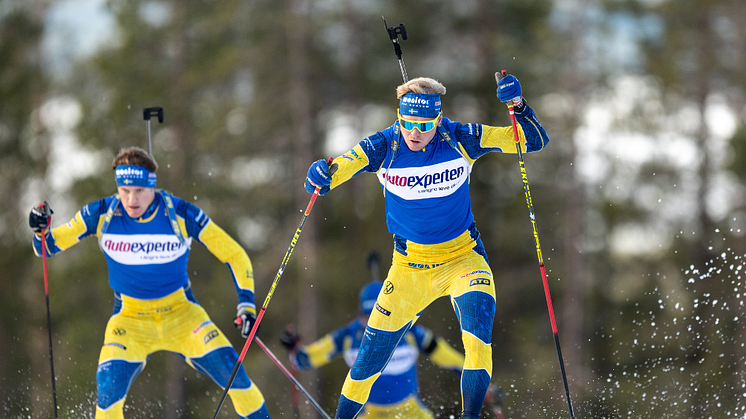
297 385
45 209
538 248
271 292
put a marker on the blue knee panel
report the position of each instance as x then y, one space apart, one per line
347 408
474 386
219 364
262 413
114 379
375 351
476 312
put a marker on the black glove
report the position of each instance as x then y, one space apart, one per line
244 321
289 340
40 217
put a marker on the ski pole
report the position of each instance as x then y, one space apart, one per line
272 288
394 33
294 394
146 114
524 177
293 390
45 208
292 378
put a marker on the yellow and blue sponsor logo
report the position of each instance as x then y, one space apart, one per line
352 155
479 281
211 335
424 265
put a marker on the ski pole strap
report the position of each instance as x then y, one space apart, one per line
107 218
170 211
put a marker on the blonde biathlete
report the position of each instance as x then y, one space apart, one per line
145 235
423 162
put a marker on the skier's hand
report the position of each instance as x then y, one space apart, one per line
244 321
289 340
509 90
319 176
40 217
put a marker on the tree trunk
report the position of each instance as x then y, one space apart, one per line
302 128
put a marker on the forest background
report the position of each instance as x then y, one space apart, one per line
639 198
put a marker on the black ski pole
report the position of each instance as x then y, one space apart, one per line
394 33
292 378
271 292
45 208
146 114
538 247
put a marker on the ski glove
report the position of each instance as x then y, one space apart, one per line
318 176
244 321
509 90
40 217
289 340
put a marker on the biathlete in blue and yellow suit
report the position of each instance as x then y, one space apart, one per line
423 162
145 235
396 393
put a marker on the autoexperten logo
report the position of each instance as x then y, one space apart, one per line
438 180
142 249
428 179
146 247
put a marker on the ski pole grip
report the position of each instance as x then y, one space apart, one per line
500 74
155 111
332 167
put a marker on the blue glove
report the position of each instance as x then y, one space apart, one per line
509 89
318 176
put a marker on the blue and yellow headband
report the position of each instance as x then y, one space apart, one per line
420 104
129 175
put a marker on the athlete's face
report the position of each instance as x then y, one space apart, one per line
415 139
136 199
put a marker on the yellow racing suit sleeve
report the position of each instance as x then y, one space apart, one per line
436 348
502 137
349 165
319 353
86 222
446 356
229 252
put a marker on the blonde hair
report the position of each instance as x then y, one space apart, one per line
134 156
424 85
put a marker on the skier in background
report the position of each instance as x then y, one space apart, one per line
396 393
146 234
423 162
